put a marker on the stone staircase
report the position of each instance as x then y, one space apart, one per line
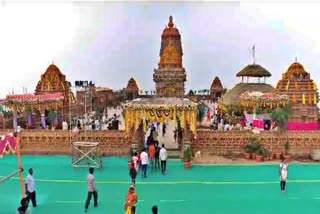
173 153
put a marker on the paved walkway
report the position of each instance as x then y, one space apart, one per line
168 138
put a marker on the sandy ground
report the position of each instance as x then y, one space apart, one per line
206 159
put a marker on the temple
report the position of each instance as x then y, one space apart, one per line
170 75
53 81
216 89
132 89
303 94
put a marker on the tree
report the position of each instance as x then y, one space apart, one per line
99 112
191 93
281 116
51 116
201 112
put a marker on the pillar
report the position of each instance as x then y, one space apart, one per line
43 120
15 122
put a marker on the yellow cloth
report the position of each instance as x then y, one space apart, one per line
287 86
129 210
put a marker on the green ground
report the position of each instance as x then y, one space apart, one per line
201 190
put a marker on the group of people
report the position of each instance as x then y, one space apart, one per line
131 199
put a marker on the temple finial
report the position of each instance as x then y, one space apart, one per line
296 59
170 24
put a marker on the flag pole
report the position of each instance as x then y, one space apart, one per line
254 54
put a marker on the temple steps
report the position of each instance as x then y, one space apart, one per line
173 153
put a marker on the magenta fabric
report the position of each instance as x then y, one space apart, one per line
7 145
258 124
303 126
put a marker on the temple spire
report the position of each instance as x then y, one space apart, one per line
170 24
296 59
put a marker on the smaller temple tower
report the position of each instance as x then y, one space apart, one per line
53 81
216 89
132 89
170 75
302 92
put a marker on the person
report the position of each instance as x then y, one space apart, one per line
154 209
157 162
283 175
152 154
154 135
135 160
23 209
175 133
133 173
92 189
164 127
163 158
133 210
131 200
31 188
144 163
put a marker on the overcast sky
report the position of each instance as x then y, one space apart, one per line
110 42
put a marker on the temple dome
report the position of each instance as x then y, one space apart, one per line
295 70
254 70
53 69
170 30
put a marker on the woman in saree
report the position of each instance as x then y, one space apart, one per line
131 201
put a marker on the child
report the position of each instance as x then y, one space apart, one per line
133 174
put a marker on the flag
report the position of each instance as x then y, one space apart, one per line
254 53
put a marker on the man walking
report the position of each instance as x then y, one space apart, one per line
163 158
31 188
92 190
144 163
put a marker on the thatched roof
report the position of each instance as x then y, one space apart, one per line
216 85
254 71
233 96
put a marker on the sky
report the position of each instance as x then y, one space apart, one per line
108 43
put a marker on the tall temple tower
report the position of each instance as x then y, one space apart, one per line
170 75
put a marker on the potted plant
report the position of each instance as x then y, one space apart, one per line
286 151
259 152
266 154
278 155
248 151
255 146
187 157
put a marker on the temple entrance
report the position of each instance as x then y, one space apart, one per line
143 113
169 138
